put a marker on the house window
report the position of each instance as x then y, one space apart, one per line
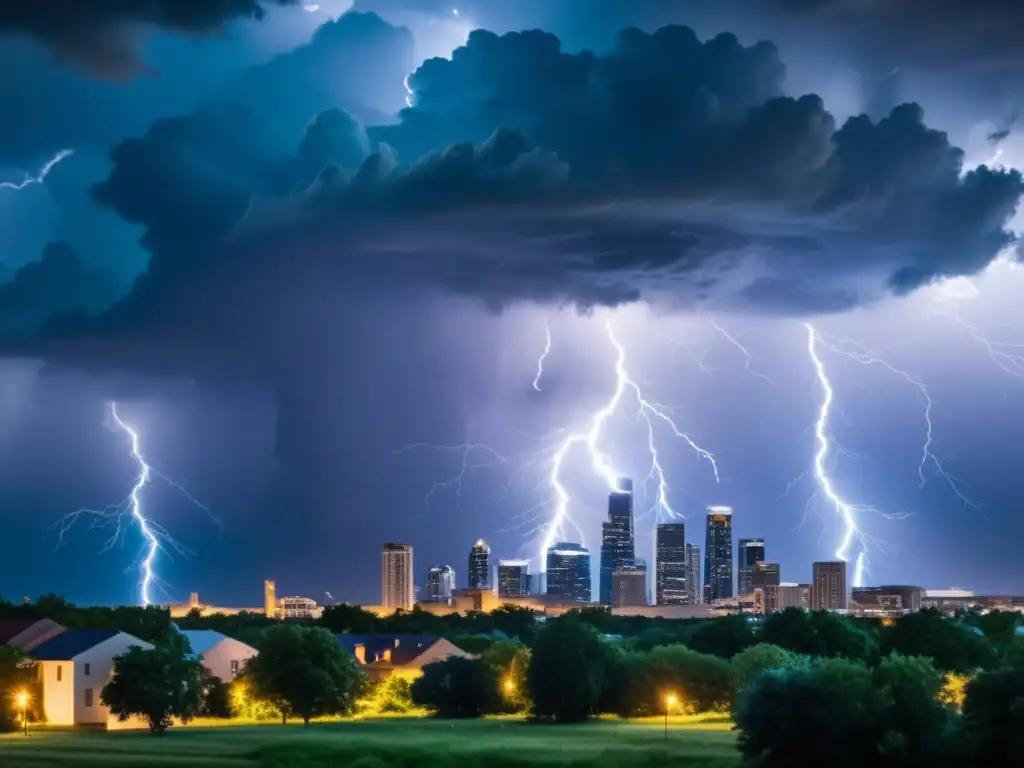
60 671
88 697
234 667
88 668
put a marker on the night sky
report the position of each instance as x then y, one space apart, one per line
314 254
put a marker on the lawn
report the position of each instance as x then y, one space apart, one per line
387 743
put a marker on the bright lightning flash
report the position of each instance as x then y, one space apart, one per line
543 356
43 172
155 536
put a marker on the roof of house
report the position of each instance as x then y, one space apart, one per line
202 640
70 643
11 628
404 648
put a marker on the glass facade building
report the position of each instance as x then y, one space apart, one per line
718 554
617 539
568 572
671 586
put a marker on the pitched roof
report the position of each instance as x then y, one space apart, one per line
404 648
201 640
70 643
11 628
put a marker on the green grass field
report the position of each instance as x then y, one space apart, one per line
387 743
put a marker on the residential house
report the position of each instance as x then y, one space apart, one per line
26 634
223 656
384 655
73 667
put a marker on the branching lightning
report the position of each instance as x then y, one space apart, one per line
43 172
155 536
543 356
734 340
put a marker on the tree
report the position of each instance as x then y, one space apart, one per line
1000 628
699 681
951 645
760 658
17 675
725 636
458 687
216 696
567 671
994 717
348 619
302 671
510 662
818 634
156 684
915 726
393 694
515 621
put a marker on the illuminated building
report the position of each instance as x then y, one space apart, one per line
194 605
568 572
718 554
440 583
270 598
783 596
765 575
749 553
693 572
298 608
671 571
629 586
887 600
828 586
951 601
617 543
513 578
396 584
480 566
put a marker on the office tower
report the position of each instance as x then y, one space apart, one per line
269 598
396 583
718 554
749 553
617 544
828 586
480 566
629 586
513 578
568 572
440 583
671 578
765 575
693 574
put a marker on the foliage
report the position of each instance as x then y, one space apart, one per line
246 706
725 636
458 687
951 645
17 675
994 717
760 658
567 671
954 690
914 726
392 695
1000 628
345 619
818 634
303 672
510 662
699 682
156 684
216 696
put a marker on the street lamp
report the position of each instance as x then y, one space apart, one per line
22 700
509 686
669 701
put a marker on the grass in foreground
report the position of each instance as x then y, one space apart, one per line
388 743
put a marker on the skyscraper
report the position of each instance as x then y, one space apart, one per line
617 543
513 578
440 583
397 587
269 598
718 554
828 586
629 586
480 566
750 552
693 574
670 569
568 572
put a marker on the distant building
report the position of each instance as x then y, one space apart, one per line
629 586
765 575
440 583
380 656
196 606
718 554
828 586
671 571
749 553
890 600
513 578
480 566
693 564
222 656
783 596
568 572
270 598
397 585
298 608
951 601
618 546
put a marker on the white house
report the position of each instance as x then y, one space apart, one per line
223 656
73 667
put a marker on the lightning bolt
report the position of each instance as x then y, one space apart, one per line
155 536
543 356
1007 356
734 340
43 172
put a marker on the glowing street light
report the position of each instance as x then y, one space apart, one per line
21 699
510 686
669 701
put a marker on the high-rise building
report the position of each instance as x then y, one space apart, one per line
783 596
671 572
617 542
513 578
629 586
749 553
765 575
440 583
828 586
396 584
480 566
693 574
269 598
568 572
718 554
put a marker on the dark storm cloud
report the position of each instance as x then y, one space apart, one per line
101 33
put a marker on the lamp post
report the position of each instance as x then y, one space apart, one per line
669 701
22 700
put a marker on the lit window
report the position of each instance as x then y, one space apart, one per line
60 671
234 667
88 697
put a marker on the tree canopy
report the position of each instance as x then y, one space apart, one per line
156 684
458 687
567 671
